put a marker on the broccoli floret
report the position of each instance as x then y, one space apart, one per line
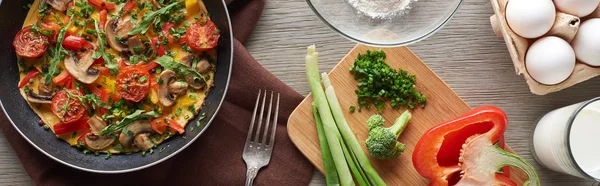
382 143
375 121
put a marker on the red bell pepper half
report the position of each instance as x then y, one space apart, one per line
468 151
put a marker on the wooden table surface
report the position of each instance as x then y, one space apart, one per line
465 54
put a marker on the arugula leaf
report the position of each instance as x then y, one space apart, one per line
148 18
168 62
108 58
137 115
56 54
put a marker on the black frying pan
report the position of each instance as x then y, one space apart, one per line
12 15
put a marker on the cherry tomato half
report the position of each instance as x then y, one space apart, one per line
67 109
202 37
30 44
133 83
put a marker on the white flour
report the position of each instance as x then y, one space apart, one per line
381 9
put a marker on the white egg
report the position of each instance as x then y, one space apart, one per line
579 8
530 18
587 42
550 60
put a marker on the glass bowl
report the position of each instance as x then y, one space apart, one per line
388 24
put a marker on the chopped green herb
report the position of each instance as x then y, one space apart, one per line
119 147
143 79
378 82
352 108
178 111
107 155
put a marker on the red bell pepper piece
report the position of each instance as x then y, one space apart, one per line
156 46
62 78
102 94
102 4
75 43
30 75
129 6
103 18
466 151
159 125
70 5
64 128
81 138
166 31
150 65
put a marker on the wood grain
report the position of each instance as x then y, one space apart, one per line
466 54
442 105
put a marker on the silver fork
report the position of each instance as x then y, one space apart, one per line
257 154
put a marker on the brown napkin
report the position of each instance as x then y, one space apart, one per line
206 161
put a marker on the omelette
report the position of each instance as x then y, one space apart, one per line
116 76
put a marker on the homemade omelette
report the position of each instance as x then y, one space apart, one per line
116 76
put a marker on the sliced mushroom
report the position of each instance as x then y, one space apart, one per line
60 5
203 66
46 90
96 124
165 97
95 142
178 88
188 60
135 45
35 98
135 128
143 141
116 28
195 82
78 68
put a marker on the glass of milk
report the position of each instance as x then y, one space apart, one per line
567 140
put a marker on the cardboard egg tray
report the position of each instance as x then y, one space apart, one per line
565 26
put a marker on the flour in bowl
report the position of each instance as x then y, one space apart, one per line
381 9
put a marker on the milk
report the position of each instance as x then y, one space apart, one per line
570 147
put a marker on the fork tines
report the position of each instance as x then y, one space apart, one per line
253 140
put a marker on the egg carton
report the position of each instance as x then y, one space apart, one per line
565 27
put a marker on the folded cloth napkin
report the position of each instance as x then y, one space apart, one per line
205 162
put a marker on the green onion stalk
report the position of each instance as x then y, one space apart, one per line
331 175
329 126
347 134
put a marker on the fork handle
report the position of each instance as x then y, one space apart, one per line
250 175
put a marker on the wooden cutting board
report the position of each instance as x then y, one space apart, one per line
442 104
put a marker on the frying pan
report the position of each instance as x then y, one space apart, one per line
12 15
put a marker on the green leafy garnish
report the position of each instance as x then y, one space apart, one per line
137 115
168 62
57 53
108 58
378 82
148 18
